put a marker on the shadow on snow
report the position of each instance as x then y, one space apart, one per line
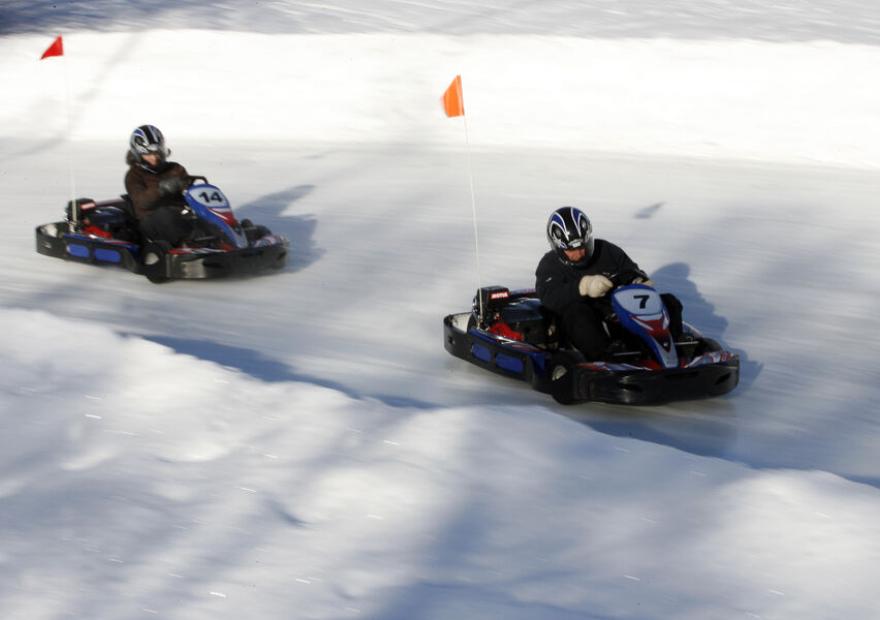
267 369
699 312
856 21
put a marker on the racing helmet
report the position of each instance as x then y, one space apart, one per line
569 228
148 139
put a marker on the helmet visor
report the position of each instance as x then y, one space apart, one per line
153 149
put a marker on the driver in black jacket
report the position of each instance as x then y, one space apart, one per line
578 271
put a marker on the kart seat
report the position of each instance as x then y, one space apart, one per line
125 203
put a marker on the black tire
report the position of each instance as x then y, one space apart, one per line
155 260
561 376
280 262
708 345
254 232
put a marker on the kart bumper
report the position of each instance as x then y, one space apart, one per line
55 240
510 359
246 261
654 387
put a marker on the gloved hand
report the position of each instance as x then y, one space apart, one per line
171 186
645 281
594 286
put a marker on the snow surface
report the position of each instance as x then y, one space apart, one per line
301 446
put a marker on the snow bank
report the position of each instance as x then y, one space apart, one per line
139 482
790 102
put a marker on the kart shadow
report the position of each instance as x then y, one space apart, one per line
269 210
675 278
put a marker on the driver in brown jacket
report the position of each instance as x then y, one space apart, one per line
154 186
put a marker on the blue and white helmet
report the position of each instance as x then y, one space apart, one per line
148 139
569 228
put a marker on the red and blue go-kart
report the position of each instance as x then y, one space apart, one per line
107 233
512 334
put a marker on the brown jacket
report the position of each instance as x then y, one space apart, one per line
142 185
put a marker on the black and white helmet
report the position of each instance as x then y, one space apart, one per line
569 228
148 139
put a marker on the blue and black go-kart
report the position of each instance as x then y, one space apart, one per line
106 233
512 334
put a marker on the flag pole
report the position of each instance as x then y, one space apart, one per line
57 49
453 105
470 168
74 215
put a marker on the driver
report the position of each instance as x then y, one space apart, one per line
154 186
576 273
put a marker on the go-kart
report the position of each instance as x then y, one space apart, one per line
511 333
106 232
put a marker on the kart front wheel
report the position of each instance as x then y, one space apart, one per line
155 262
562 377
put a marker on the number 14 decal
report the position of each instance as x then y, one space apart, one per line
214 196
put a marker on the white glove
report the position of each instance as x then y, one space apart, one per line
594 286
645 281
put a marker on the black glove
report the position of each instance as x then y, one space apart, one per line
171 186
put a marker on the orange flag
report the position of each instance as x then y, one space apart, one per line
453 98
56 49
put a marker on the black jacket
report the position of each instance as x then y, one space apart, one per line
142 185
557 283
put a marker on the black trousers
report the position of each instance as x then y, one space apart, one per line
166 224
582 324
675 309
